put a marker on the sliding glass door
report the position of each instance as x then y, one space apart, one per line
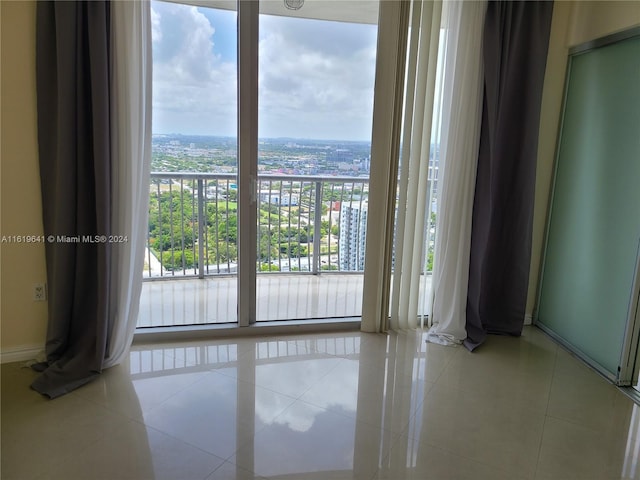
591 276
315 110
262 119
191 256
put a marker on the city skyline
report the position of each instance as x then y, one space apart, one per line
203 153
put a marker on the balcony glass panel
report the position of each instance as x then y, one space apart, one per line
316 79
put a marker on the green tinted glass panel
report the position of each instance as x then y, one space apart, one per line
595 218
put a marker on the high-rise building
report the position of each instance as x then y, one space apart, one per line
353 230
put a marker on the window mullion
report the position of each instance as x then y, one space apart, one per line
248 11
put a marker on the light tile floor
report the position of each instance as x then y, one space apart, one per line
327 406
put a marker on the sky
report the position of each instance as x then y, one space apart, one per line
315 77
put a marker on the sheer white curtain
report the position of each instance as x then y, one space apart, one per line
131 152
463 24
442 104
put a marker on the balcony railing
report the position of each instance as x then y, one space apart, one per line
306 223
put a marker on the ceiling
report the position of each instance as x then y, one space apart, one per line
353 11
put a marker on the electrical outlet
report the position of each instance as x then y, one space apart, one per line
39 292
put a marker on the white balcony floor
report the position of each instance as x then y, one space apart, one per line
279 297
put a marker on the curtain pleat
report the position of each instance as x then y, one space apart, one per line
516 38
72 75
93 75
461 106
131 144
443 95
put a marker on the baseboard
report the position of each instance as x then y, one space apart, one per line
528 319
21 353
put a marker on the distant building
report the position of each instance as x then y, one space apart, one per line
353 230
275 198
339 155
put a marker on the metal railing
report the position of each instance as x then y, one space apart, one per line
305 224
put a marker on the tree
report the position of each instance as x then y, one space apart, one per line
324 227
221 252
293 250
267 248
329 267
268 267
178 259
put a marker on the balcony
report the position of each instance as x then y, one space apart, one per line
193 301
309 260
310 256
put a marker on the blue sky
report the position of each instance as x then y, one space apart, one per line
316 77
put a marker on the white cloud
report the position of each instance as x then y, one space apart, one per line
156 31
316 78
194 90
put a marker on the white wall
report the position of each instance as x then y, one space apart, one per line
23 321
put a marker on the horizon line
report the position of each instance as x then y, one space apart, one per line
260 138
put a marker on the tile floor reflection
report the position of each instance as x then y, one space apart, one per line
327 406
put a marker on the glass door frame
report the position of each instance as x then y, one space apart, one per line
248 37
630 358
248 42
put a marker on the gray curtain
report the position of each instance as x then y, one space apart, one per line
72 77
516 39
